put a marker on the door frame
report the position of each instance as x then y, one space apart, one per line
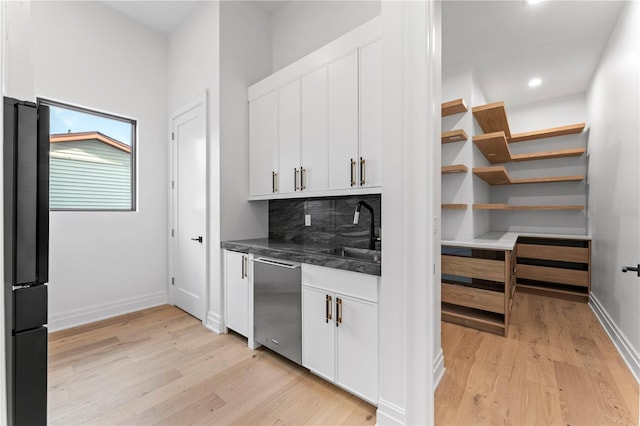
200 101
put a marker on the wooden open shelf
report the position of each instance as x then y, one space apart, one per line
575 296
492 118
454 136
548 133
498 175
454 206
472 318
495 148
455 168
508 207
454 107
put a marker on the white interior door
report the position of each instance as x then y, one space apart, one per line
190 208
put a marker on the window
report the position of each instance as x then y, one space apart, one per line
92 159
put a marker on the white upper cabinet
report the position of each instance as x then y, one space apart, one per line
315 125
343 122
289 137
370 160
263 145
315 139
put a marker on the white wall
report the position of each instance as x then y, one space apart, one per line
300 27
542 115
193 68
3 376
614 177
245 58
463 187
106 263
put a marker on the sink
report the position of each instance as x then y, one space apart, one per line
356 253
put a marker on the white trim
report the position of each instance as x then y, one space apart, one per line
438 369
328 193
361 36
3 67
214 323
93 313
630 355
389 414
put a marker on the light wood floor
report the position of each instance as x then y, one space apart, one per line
557 367
161 366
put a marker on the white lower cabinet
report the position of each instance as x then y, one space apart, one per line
340 328
236 292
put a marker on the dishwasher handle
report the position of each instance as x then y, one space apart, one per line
277 263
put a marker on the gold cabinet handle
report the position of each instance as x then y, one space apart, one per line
295 180
362 165
242 269
327 309
273 182
353 172
303 179
338 311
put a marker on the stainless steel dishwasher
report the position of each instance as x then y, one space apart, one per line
277 306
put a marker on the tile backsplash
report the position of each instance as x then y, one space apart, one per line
331 220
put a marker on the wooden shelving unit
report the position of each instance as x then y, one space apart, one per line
454 107
495 148
455 168
449 206
548 133
492 118
498 175
477 287
457 135
554 267
508 207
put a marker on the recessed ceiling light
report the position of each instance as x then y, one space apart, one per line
535 82
534 1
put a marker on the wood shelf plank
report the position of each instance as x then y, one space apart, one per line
494 175
507 207
544 155
554 292
492 118
454 107
455 168
547 133
498 175
472 318
494 147
449 206
454 136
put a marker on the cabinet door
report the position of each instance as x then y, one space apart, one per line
357 347
289 137
236 292
263 144
370 160
318 338
343 122
315 144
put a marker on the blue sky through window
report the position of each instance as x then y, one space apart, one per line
65 120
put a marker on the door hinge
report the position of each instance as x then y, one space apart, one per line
173 281
172 233
173 136
173 184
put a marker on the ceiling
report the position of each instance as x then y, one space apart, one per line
510 42
506 42
163 16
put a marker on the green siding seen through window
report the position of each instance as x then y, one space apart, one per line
89 169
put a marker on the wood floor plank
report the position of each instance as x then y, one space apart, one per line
162 367
557 366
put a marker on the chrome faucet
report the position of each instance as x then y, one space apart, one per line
356 219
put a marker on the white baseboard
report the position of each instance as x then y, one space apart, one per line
89 314
389 414
214 323
438 369
624 346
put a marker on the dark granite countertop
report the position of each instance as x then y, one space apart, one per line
314 254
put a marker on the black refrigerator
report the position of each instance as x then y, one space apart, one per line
26 259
